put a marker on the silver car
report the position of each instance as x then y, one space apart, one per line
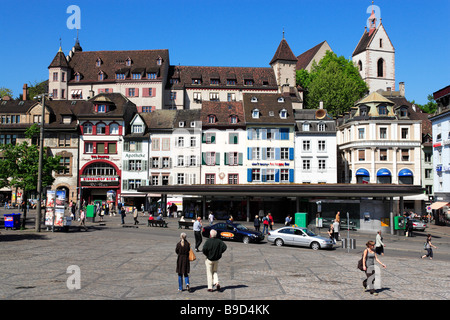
298 237
418 225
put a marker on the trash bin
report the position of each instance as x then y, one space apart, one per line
301 219
90 213
12 220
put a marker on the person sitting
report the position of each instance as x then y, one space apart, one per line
159 217
150 217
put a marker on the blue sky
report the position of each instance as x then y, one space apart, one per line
243 33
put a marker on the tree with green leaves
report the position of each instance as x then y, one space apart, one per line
19 166
5 92
335 81
429 107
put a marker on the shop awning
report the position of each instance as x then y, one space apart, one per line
362 172
405 173
383 173
437 205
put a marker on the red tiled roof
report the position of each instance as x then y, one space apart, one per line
142 61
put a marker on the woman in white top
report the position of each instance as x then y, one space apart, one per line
379 245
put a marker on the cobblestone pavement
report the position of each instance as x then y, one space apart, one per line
135 263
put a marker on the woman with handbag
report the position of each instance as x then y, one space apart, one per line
183 263
368 262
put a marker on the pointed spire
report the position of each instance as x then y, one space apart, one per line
284 52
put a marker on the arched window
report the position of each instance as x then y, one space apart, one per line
101 128
380 68
360 65
113 128
87 128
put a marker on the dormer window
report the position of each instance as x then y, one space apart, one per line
403 112
212 118
305 126
138 128
196 81
181 124
98 63
280 99
136 76
254 99
128 62
101 108
77 76
233 119
151 75
255 114
101 76
159 61
363 111
214 81
283 114
120 76
248 82
321 126
382 110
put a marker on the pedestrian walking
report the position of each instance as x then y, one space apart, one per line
135 216
428 246
142 209
183 264
287 221
198 233
123 214
379 245
266 225
369 258
270 221
409 228
83 218
257 223
331 233
213 250
336 230
73 210
211 218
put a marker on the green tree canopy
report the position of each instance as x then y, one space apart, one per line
335 81
5 92
429 107
19 165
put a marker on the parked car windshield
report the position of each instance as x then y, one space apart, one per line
241 227
309 232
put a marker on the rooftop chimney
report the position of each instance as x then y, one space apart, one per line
25 91
401 88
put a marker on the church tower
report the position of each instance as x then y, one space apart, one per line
375 56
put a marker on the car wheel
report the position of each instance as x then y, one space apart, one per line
246 240
315 246
279 242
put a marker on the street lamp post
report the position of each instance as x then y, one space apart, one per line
39 184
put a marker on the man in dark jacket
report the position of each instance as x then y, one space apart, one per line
213 250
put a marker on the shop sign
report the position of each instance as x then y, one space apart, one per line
99 157
99 181
279 164
135 155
